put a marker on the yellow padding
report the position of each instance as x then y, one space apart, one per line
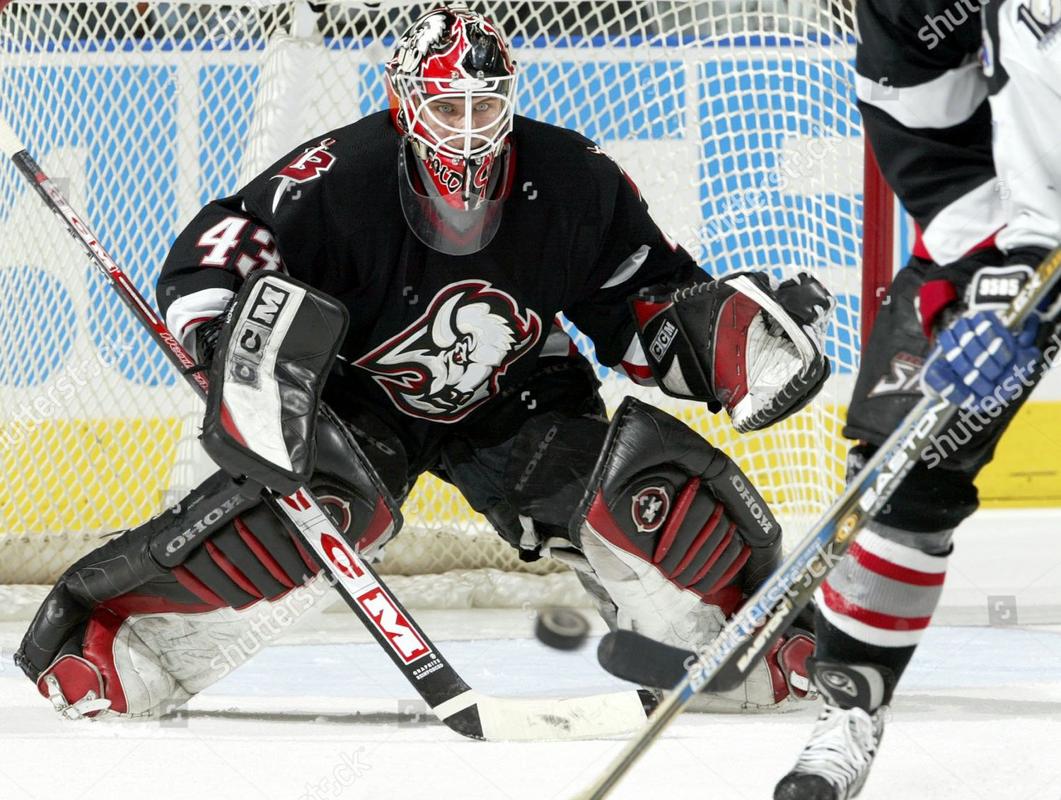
83 475
100 475
1026 471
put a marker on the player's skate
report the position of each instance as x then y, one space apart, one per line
835 762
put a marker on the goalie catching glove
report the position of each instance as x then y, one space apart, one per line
744 343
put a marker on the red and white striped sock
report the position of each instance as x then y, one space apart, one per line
883 593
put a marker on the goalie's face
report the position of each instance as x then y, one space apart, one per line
466 125
451 84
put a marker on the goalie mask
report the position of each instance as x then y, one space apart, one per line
451 83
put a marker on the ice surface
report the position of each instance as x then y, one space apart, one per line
325 715
979 716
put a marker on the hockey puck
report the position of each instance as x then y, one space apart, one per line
561 628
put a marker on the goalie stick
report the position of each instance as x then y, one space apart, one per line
453 701
725 662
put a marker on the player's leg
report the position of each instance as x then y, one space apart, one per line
877 602
144 622
541 474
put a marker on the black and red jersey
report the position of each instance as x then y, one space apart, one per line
434 337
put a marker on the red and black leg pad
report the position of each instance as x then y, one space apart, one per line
259 555
215 549
662 493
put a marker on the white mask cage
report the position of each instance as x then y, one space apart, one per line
469 133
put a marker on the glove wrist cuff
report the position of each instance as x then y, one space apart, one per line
935 296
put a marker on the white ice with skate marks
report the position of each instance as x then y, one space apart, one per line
326 716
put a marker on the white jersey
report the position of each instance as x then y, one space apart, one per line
958 106
1021 57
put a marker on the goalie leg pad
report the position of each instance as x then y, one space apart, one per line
157 634
670 525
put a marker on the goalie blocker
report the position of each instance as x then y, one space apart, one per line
160 612
277 346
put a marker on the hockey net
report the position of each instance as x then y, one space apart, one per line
735 117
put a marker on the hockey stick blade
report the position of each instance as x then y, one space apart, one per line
725 661
636 658
464 710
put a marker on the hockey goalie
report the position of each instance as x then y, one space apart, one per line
452 233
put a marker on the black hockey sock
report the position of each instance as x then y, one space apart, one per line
832 644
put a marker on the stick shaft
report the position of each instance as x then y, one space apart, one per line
350 574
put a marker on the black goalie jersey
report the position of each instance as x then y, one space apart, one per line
434 337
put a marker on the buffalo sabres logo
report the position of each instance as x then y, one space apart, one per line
649 508
426 37
310 165
451 359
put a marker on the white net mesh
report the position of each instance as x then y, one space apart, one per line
735 118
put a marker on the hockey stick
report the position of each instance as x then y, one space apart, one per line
453 701
725 662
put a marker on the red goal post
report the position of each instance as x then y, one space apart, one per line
736 118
